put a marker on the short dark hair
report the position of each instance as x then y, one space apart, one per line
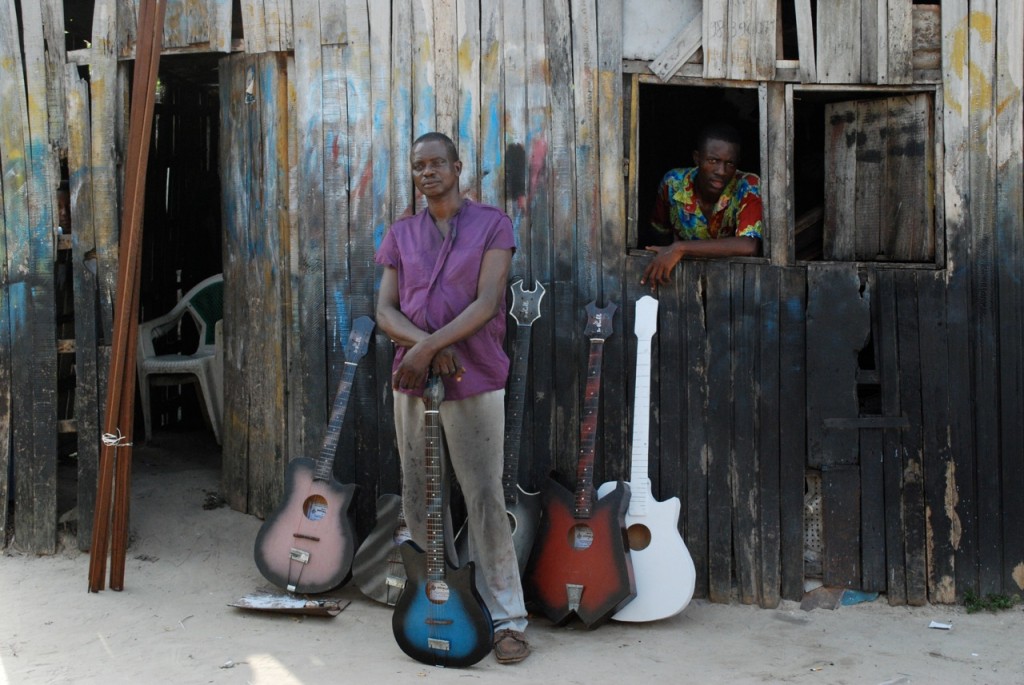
718 131
453 152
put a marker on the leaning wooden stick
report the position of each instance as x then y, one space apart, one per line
121 383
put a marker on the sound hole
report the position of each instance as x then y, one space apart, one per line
315 507
639 536
401 534
437 591
581 536
512 523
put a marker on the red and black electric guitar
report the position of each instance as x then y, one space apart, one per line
580 562
307 544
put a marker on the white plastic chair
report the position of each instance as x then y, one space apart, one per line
205 304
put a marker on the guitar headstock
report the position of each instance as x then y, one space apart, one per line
599 321
646 319
526 303
359 339
433 394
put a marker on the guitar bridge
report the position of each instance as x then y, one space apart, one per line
395 582
300 555
434 643
574 594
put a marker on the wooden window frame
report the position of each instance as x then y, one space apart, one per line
776 116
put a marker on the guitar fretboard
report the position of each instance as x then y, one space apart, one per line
584 498
325 463
514 412
435 510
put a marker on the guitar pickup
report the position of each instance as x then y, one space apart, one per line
441 645
300 555
574 593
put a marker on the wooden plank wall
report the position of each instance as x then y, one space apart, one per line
903 386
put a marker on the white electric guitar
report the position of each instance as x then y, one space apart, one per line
662 565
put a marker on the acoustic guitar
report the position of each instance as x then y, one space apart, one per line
307 544
662 566
378 570
440 618
580 562
522 507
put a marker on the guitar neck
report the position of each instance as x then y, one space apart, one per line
640 484
434 495
584 498
514 412
325 463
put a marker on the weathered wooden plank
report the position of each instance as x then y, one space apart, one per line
983 307
911 406
777 184
840 227
943 525
716 39
743 457
14 304
839 41
375 439
492 104
689 290
468 57
254 25
402 127
588 135
333 23
310 382
720 430
872 511
53 33
870 210
680 49
805 41
751 53
564 307
612 212
365 115
219 14
955 189
874 28
85 292
126 23
176 23
899 45
769 410
792 428
1010 249
235 200
516 205
424 102
908 232
344 119
199 22
36 467
446 72
887 350
840 520
837 328
539 415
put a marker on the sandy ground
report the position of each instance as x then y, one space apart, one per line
186 564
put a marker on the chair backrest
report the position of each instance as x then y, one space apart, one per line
206 302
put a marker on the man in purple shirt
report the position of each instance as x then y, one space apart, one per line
442 302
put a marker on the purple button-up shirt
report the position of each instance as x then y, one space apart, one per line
437 279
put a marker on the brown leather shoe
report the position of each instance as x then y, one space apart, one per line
510 646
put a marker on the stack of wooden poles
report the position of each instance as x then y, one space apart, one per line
110 525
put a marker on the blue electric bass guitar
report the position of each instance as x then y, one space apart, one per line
440 618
